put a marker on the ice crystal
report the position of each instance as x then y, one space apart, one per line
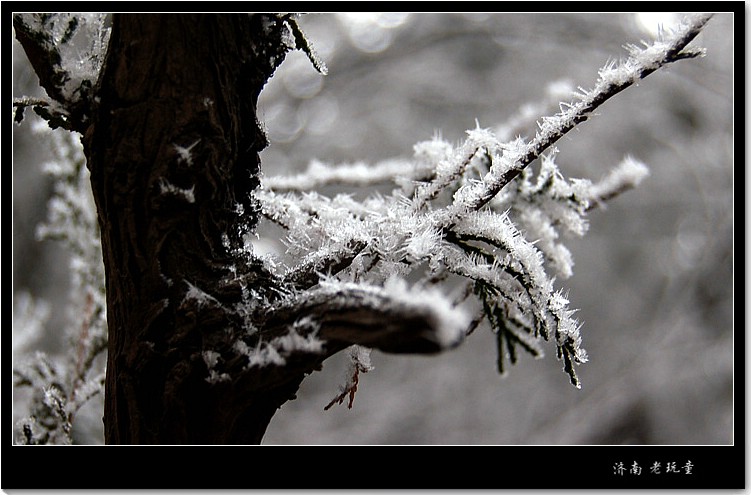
76 42
168 188
62 386
184 153
471 215
628 174
200 297
275 351
473 209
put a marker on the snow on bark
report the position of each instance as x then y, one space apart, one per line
472 212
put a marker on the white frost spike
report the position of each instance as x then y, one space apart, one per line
628 174
423 243
184 154
260 356
294 342
481 138
277 350
199 296
320 174
451 168
432 152
168 188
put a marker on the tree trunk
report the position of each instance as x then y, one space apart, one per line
205 344
173 154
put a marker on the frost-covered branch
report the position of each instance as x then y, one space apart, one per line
61 385
627 175
613 79
66 73
324 261
393 317
299 330
319 174
35 33
469 234
450 215
51 111
302 43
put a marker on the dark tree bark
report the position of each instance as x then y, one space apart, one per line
173 149
169 221
172 139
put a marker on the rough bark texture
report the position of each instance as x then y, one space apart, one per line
173 152
169 221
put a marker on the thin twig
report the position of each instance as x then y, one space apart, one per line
555 128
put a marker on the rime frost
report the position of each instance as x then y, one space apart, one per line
78 42
629 173
198 296
211 358
469 233
275 352
61 386
168 188
473 210
320 174
184 152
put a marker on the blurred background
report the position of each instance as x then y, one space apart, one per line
652 279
